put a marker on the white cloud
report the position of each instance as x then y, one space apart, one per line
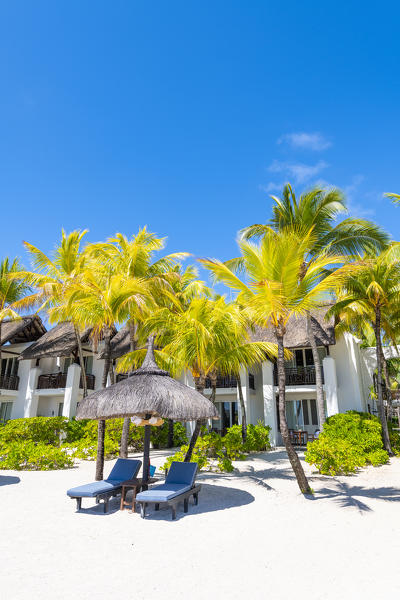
308 141
356 209
300 172
273 187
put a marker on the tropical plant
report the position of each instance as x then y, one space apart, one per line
52 277
370 296
13 289
317 212
133 261
348 441
278 284
206 336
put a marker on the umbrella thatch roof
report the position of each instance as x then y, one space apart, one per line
296 331
25 329
59 341
147 391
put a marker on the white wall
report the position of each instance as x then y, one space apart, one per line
348 372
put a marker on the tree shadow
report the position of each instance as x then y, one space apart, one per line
348 496
8 480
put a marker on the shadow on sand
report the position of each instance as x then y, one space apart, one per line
8 480
348 496
211 498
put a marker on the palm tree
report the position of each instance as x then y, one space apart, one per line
278 285
132 259
205 336
13 289
317 211
98 300
372 296
52 278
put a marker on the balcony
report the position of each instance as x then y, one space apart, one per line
229 381
54 381
298 375
9 382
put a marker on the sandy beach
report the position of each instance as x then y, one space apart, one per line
252 536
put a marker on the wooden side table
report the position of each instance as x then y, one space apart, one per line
135 485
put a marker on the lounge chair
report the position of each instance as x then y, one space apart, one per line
179 485
123 469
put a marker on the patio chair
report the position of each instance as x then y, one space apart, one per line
179 485
124 469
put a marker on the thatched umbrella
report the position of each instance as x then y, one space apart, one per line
151 395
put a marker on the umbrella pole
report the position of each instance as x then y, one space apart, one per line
146 454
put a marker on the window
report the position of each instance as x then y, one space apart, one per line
309 357
305 413
299 358
60 409
88 363
314 414
9 366
5 411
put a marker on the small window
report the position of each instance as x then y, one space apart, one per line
60 409
299 358
88 363
309 357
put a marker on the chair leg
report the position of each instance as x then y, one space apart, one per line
105 506
173 509
186 505
156 507
142 510
196 498
78 503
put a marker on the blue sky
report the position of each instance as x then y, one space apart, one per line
186 115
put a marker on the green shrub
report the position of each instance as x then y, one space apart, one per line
35 429
159 435
215 452
33 456
394 436
348 441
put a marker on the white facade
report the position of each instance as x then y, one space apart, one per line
347 369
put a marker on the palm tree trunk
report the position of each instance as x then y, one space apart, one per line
386 378
292 454
200 383
242 408
101 428
123 447
318 373
80 354
0 348
381 408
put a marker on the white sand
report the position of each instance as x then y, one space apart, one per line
251 536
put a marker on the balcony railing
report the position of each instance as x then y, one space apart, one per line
226 381
9 382
298 375
54 381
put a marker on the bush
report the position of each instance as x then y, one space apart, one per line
394 437
348 441
159 435
33 456
215 452
35 429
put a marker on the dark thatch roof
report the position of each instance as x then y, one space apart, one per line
120 343
59 341
296 331
148 390
25 329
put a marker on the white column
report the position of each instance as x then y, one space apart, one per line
270 417
244 379
329 365
71 390
31 399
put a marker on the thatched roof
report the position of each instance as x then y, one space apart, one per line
148 390
25 329
120 343
59 341
296 331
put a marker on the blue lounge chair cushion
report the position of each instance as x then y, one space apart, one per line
181 472
124 468
163 492
91 490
